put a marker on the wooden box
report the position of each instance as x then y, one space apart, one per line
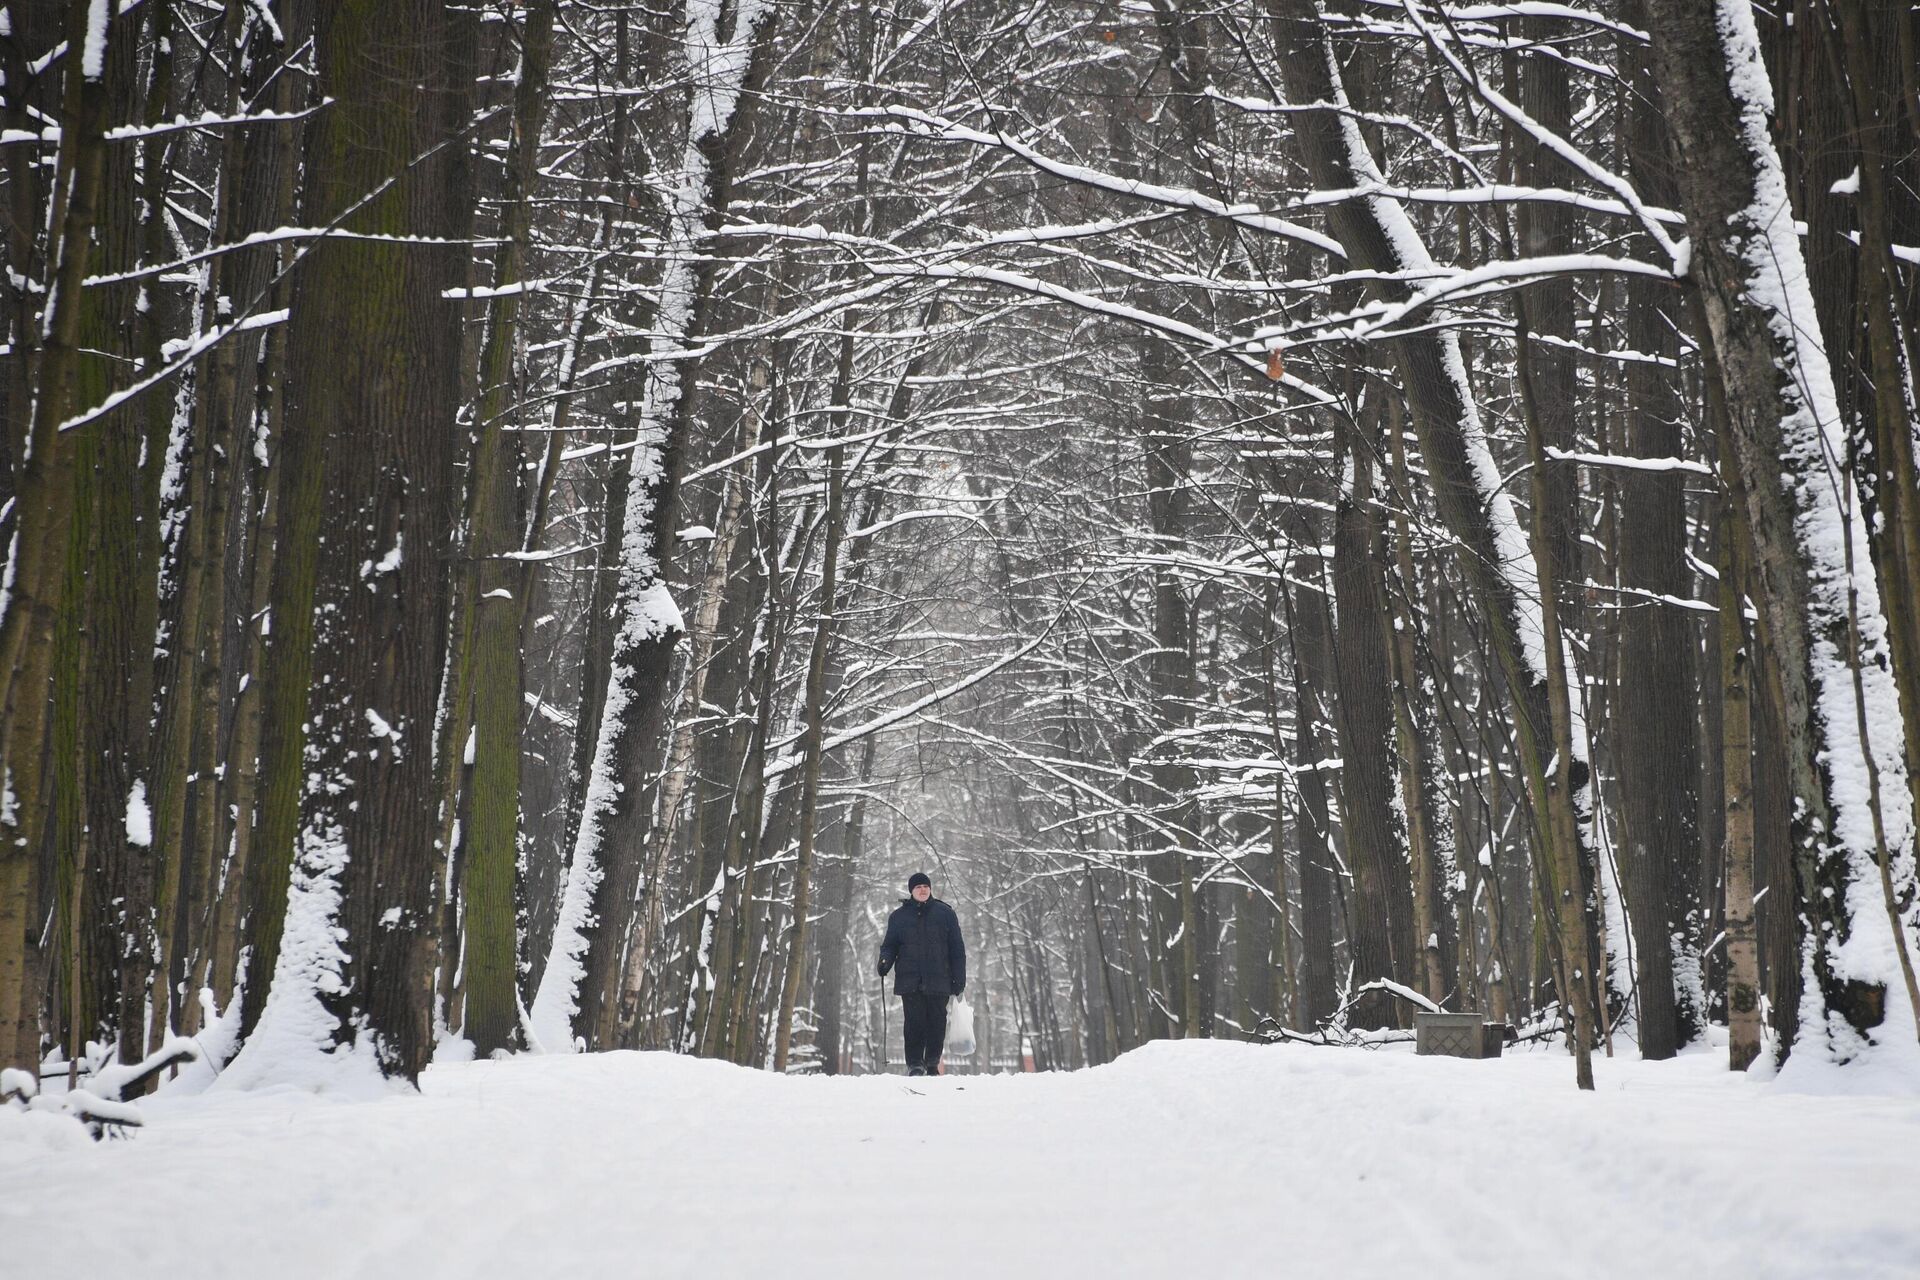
1457 1035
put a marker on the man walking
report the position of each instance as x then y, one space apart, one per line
929 961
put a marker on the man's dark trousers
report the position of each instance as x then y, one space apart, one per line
926 1025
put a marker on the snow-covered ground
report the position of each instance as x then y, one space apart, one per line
1180 1159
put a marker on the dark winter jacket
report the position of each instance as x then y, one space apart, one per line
924 950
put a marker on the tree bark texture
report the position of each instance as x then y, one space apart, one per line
373 385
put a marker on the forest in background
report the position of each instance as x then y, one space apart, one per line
525 521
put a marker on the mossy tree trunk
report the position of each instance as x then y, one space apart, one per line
101 727
491 598
38 555
373 387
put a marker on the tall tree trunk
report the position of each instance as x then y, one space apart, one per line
681 762
36 559
1656 747
1778 912
100 735
1279 996
248 204
814 711
273 169
1380 936
373 388
705 1027
583 964
492 600
1812 564
1430 838
1743 955
1849 168
189 652
1499 566
1169 458
832 1039
1315 998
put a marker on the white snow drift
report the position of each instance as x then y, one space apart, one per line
1198 1158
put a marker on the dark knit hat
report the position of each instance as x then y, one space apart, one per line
917 879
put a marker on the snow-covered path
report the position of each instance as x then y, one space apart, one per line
1180 1159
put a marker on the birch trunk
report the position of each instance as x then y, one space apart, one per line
1736 667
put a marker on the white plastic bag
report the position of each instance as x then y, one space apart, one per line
959 1028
